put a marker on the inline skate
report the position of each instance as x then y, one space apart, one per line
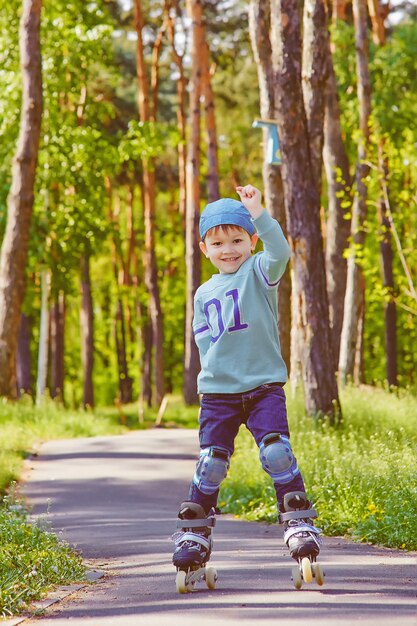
193 545
302 538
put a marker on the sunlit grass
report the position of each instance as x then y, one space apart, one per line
32 559
362 476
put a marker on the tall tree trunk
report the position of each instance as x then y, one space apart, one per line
339 10
354 298
122 276
125 381
377 14
213 189
181 93
259 27
87 329
57 346
14 248
336 166
43 349
192 250
23 374
146 369
315 73
149 194
302 203
390 310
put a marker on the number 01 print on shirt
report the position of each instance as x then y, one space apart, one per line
214 314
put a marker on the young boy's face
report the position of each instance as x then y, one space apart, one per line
227 248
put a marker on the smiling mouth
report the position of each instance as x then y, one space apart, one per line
231 259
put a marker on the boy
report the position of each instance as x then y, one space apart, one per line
242 373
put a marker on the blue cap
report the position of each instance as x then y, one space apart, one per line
225 211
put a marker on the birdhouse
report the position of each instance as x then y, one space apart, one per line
274 152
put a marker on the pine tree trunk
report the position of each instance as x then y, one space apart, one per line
192 250
14 249
339 9
125 381
87 330
336 166
213 189
146 386
355 293
302 203
57 347
259 27
377 18
43 350
315 72
390 310
149 194
181 93
23 374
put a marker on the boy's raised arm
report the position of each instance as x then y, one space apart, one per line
273 261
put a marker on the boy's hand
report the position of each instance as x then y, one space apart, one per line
251 198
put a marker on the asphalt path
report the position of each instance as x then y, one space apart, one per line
116 499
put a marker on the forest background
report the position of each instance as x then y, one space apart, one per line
148 113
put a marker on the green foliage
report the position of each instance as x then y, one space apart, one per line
146 140
393 72
91 155
32 559
349 471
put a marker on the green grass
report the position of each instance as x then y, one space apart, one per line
32 560
362 476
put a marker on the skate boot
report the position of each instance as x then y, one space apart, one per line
193 545
302 538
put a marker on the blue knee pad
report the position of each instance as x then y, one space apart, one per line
211 469
277 458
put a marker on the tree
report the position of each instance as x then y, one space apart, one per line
354 303
302 203
192 215
259 27
14 248
199 86
387 270
148 114
336 164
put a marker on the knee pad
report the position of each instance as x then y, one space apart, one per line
277 458
211 469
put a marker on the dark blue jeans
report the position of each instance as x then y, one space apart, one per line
263 410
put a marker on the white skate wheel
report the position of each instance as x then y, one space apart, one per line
318 574
296 577
306 569
180 581
211 578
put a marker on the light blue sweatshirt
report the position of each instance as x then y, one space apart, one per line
236 319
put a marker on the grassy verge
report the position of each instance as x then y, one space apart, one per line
362 475
32 559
